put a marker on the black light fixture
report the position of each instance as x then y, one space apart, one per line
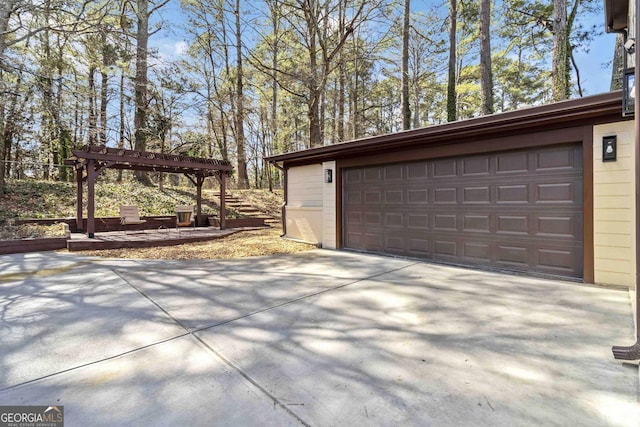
609 148
328 176
628 92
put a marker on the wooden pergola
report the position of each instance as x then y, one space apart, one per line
89 161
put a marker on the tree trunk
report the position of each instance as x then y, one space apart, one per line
103 99
140 91
451 78
559 64
406 106
342 76
486 75
122 119
92 120
618 63
243 179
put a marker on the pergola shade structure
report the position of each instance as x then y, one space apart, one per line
89 161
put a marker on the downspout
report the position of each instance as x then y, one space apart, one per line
283 211
633 352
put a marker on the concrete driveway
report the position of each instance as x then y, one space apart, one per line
321 338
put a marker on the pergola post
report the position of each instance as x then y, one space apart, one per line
223 198
79 225
199 182
91 181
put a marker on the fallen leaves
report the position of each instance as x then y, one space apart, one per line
239 245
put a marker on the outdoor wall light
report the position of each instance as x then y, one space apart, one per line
628 92
630 46
328 176
609 148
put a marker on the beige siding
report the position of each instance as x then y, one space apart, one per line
329 209
304 212
305 186
614 207
304 224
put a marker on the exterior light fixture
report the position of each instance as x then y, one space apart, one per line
328 176
609 149
628 92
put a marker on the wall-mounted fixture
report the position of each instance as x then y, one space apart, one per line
328 176
628 92
609 148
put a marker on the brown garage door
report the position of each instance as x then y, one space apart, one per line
518 210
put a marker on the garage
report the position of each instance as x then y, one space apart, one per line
527 191
516 210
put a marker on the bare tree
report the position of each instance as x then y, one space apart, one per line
406 106
142 9
243 179
451 75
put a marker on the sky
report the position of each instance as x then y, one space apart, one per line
594 65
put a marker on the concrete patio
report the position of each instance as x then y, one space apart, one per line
320 338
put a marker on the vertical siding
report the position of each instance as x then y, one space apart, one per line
614 207
329 209
304 203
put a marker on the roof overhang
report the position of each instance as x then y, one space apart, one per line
597 109
616 13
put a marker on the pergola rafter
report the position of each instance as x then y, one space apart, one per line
89 161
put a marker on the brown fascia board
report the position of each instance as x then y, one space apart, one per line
595 109
616 15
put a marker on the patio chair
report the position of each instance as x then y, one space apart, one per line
129 215
184 216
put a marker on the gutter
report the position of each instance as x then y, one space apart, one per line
575 112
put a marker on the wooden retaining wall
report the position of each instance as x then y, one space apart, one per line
32 245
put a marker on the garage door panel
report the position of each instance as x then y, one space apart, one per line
394 220
372 175
445 195
445 248
476 223
557 226
513 224
417 196
394 197
513 255
513 194
417 221
512 163
563 192
352 176
372 197
477 252
417 170
445 168
476 166
476 195
516 210
443 222
562 158
373 219
556 259
394 173
354 197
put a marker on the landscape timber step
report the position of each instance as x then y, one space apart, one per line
247 210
